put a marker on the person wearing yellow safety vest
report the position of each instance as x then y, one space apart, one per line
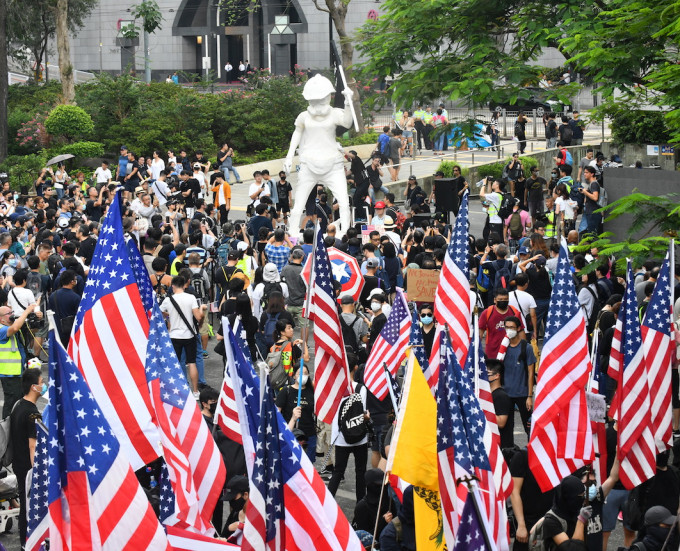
550 221
427 119
418 116
12 355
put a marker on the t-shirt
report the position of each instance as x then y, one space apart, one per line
393 148
493 322
516 369
594 529
22 427
20 295
535 189
192 185
253 189
103 175
566 206
552 527
186 302
536 503
504 406
283 189
494 199
523 301
524 217
591 204
122 166
539 283
286 400
583 163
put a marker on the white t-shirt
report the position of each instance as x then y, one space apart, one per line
102 175
523 301
494 199
586 300
253 189
566 206
157 165
23 295
336 436
201 180
186 302
161 190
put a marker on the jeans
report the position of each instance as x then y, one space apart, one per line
524 413
371 191
311 448
227 169
542 306
199 362
342 453
60 192
592 222
439 142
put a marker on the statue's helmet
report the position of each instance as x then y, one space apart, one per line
317 87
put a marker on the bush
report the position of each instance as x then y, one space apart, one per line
80 149
23 170
15 121
69 122
495 170
360 139
636 126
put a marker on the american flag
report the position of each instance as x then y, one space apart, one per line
599 429
658 347
331 373
454 460
313 520
470 535
503 349
95 500
226 415
109 344
476 428
182 540
452 298
264 515
636 448
37 502
389 349
561 439
194 461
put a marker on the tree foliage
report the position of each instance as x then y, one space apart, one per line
69 122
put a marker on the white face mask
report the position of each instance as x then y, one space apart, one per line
511 333
305 378
375 306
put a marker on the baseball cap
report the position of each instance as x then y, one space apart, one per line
659 515
62 222
524 250
123 147
380 205
412 177
372 262
197 165
233 255
237 485
540 261
439 173
346 299
241 246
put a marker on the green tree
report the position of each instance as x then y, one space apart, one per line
69 122
151 16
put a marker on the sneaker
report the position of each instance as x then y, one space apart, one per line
620 516
205 354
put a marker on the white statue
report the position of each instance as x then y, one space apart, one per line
321 158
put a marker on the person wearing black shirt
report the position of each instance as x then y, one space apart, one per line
301 415
529 503
533 194
283 191
24 436
379 319
87 243
502 404
189 189
426 314
371 281
131 180
568 505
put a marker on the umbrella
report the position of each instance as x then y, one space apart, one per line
345 269
59 158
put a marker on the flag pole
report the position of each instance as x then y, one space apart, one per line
302 368
475 343
377 517
470 482
344 83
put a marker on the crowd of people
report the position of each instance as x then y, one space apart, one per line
204 266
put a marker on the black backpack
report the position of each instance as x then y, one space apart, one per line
507 203
349 337
200 288
269 288
595 312
567 134
351 420
502 277
269 329
161 290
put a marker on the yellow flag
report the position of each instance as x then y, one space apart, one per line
413 450
428 517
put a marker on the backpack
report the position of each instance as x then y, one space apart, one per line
507 202
483 280
351 420
594 314
54 264
6 447
502 277
518 129
223 250
269 288
567 159
383 142
603 198
537 541
269 328
349 337
634 507
277 374
200 288
515 226
34 283
567 134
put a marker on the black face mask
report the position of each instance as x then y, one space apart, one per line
237 504
212 408
502 304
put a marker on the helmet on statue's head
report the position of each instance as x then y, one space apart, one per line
317 87
34 363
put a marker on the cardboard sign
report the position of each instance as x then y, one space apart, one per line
597 407
422 284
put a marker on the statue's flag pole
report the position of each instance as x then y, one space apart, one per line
340 85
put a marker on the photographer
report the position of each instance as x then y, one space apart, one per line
256 191
18 300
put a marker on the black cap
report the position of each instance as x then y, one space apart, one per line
439 173
233 255
346 299
412 177
237 485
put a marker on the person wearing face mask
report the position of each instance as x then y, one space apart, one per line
428 327
23 433
237 493
301 416
519 364
661 531
379 319
566 521
491 322
596 497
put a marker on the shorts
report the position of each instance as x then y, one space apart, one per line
407 133
535 207
130 186
378 439
612 505
675 383
186 345
282 207
204 328
298 318
395 162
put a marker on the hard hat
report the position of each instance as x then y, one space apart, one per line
317 87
